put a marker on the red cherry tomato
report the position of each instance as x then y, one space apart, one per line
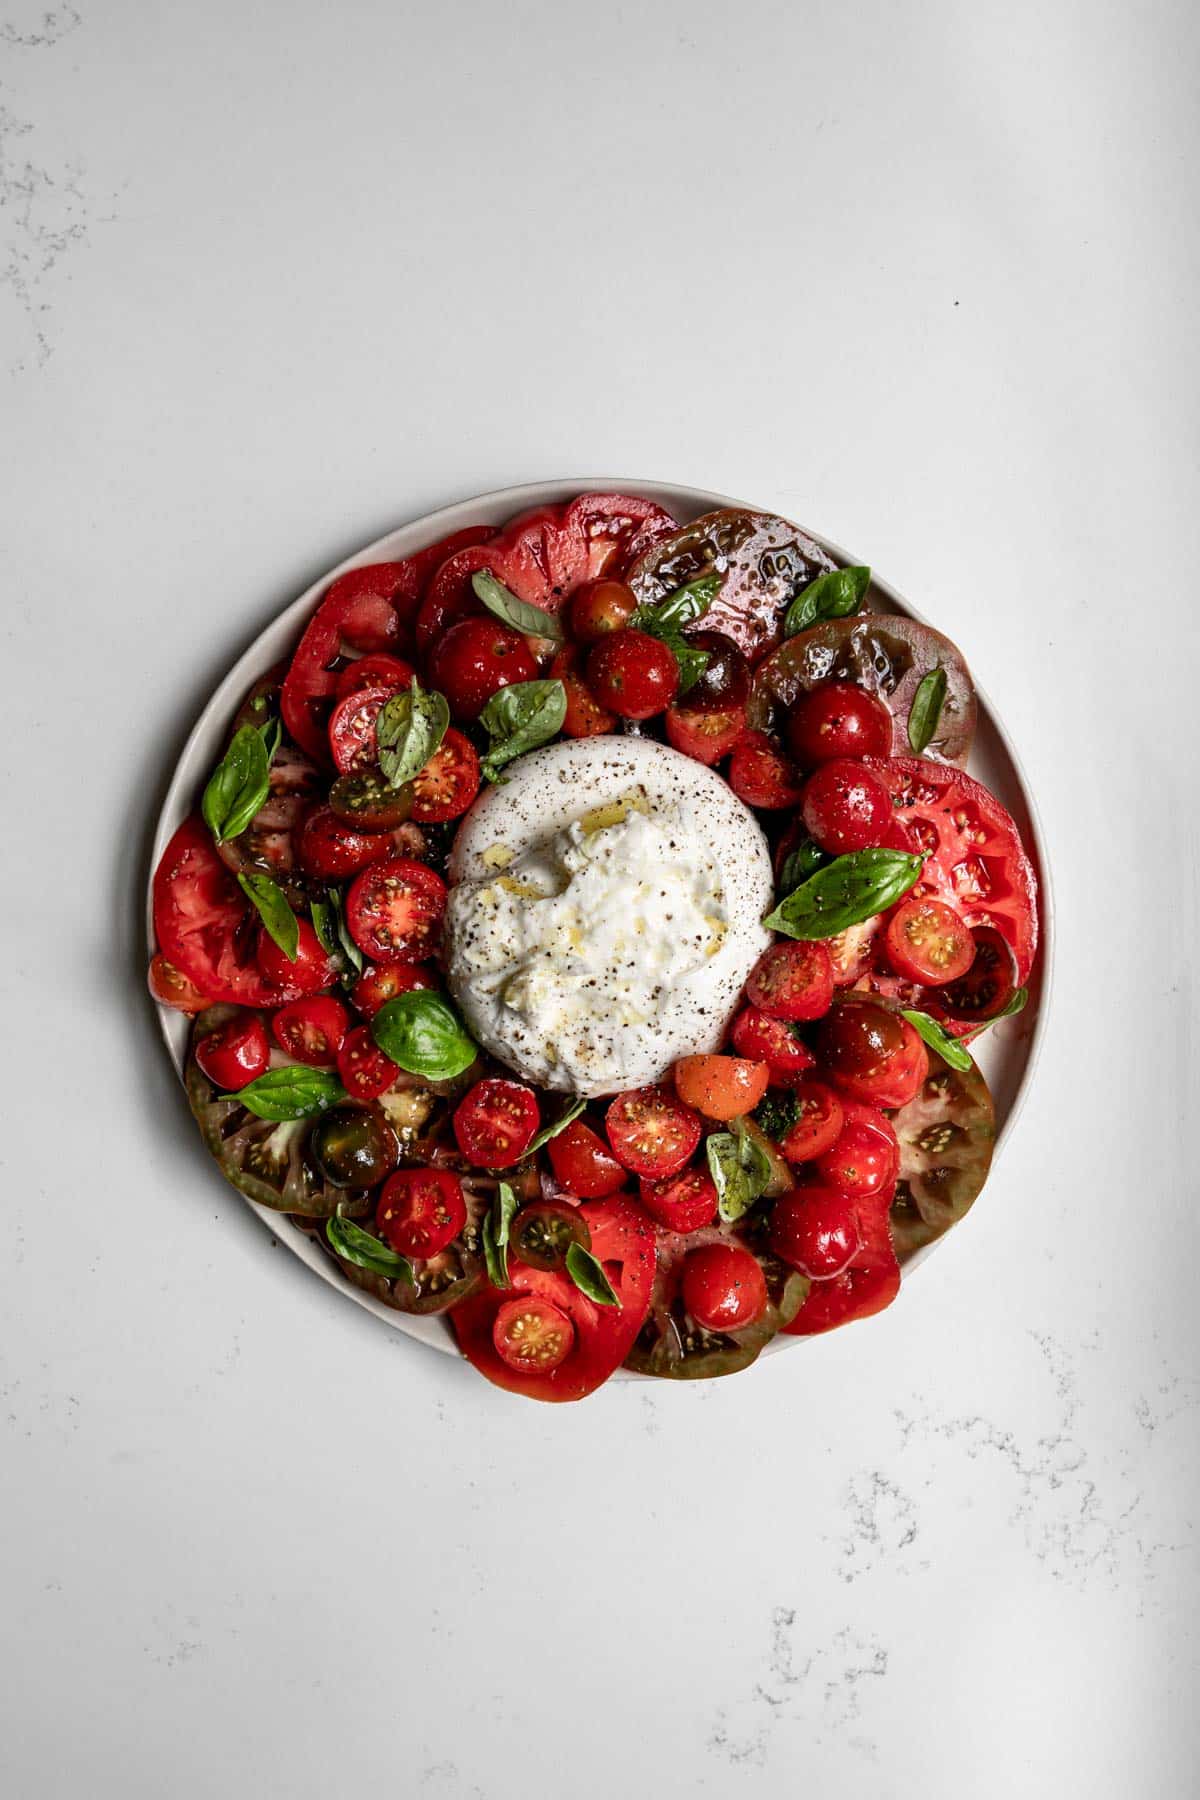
495 1123
329 849
652 1132
816 1231
421 1211
394 910
761 775
838 720
582 1163
870 1053
723 1287
352 729
862 1163
682 1202
585 717
721 1087
448 783
846 807
390 672
819 1124
632 674
599 607
375 986
310 971
532 1335
475 660
927 941
235 1053
363 1069
987 987
171 987
792 981
870 1283
311 1031
706 736
756 1035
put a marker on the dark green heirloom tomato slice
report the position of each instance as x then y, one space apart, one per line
370 803
883 653
947 1134
764 562
672 1344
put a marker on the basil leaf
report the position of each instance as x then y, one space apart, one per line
667 618
273 909
589 1277
691 659
521 717
345 942
802 862
551 1131
518 613
422 1033
740 1170
755 1161
292 1092
833 595
272 736
926 709
1017 1004
408 729
367 1252
239 785
324 926
845 892
948 1048
495 1235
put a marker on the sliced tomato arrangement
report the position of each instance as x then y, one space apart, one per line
776 1178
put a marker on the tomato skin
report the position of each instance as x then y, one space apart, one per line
394 910
311 971
375 986
171 987
235 1053
926 941
871 1054
582 1163
762 776
652 1132
792 981
819 1124
757 1036
862 1163
724 685
475 660
723 1287
705 736
379 670
835 721
816 1231
363 1069
585 717
632 674
683 1202
421 1212
868 1285
311 1031
846 807
448 783
495 1122
532 1334
329 849
599 607
721 1087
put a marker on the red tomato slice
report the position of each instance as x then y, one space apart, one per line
652 1132
363 1069
623 1241
394 910
870 1283
206 926
449 781
495 1122
582 1163
312 1031
171 987
617 528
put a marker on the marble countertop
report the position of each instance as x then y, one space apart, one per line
273 280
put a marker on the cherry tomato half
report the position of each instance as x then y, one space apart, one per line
368 803
988 985
477 658
495 1122
583 1164
632 674
542 1234
818 1124
721 1087
704 736
816 1231
585 717
532 1335
329 849
838 720
448 783
352 737
652 1132
394 910
792 981
683 1202
846 807
421 1211
363 1069
761 775
235 1053
927 941
754 1034
311 1031
723 1287
375 986
171 987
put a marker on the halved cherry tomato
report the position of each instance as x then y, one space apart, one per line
421 1211
792 981
375 986
705 736
532 1335
383 671
205 925
329 849
171 987
761 775
926 941
475 660
582 1164
632 673
599 607
352 729
988 985
311 1031
838 720
585 717
394 910
815 1230
495 1122
541 1234
871 1054
756 1035
368 803
818 1124
723 1286
721 1087
652 1132
870 1283
846 807
310 970
363 1069
448 783
234 1053
683 1202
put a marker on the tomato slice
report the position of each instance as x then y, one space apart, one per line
818 1122
585 717
206 926
495 1123
652 1132
363 1069
421 1211
762 775
623 1242
673 1344
926 941
582 1162
394 910
449 782
985 990
171 987
311 1031
532 1336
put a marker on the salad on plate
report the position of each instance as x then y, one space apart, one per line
586 930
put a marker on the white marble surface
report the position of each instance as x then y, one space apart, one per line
275 278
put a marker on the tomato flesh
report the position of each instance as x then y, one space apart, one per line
792 981
329 850
927 941
542 1234
585 717
394 911
652 1132
704 736
352 729
532 1335
448 783
171 987
375 986
583 1164
421 1211
496 1121
205 925
683 1202
756 1035
236 1053
311 1031
363 1069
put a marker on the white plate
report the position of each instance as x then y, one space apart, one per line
1007 1052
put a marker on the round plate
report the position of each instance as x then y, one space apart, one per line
1007 1052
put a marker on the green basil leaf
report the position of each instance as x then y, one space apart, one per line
408 729
422 1033
345 942
833 595
740 1170
367 1252
495 1234
802 862
293 1092
521 717
1017 1004
273 909
272 736
589 1277
844 893
239 785
948 1048
691 659
518 613
666 618
560 1124
926 709
754 1159
324 925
